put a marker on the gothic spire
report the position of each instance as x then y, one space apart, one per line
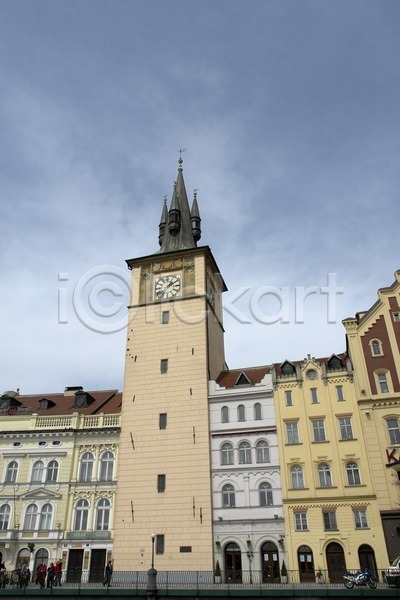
179 227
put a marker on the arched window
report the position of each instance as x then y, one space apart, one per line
52 471
244 453
31 517
262 452
353 473
5 512
224 414
297 477
394 430
376 348
241 413
86 467
11 473
81 515
103 515
324 475
46 517
257 412
106 466
228 496
266 494
37 472
227 454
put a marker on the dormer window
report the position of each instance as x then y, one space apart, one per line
334 363
45 404
242 380
287 368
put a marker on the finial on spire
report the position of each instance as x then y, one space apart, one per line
180 161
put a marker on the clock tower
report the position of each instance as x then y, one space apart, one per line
174 347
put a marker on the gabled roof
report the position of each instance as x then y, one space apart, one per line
254 375
104 401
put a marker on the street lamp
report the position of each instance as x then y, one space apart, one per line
152 573
153 539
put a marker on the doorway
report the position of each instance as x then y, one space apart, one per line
74 568
270 563
336 562
233 563
366 556
306 564
97 566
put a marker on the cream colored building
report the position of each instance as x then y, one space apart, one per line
331 511
373 340
174 346
58 455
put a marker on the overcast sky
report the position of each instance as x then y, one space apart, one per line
289 110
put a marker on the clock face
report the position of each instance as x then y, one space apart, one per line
167 286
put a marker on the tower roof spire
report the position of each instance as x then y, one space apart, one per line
179 227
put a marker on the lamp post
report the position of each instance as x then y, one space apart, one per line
152 573
153 539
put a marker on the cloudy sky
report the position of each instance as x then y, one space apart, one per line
289 110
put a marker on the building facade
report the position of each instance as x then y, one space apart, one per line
59 480
373 341
330 506
248 515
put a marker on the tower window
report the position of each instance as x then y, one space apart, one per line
160 544
164 365
161 480
314 396
165 317
163 420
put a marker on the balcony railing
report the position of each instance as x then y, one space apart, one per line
76 422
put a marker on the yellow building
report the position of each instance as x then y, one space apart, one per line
330 507
373 340
174 347
59 479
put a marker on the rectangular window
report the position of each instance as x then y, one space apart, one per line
185 548
339 393
165 317
300 521
161 479
160 544
346 430
319 430
394 431
163 420
383 384
314 396
164 365
396 316
288 398
292 433
360 519
330 520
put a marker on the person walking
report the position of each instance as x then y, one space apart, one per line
50 576
58 573
41 574
109 571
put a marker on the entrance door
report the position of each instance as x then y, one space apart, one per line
336 562
270 563
97 566
233 564
366 556
74 568
306 564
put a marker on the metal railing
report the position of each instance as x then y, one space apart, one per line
207 579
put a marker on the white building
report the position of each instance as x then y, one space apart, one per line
247 497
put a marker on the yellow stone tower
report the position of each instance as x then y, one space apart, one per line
175 346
